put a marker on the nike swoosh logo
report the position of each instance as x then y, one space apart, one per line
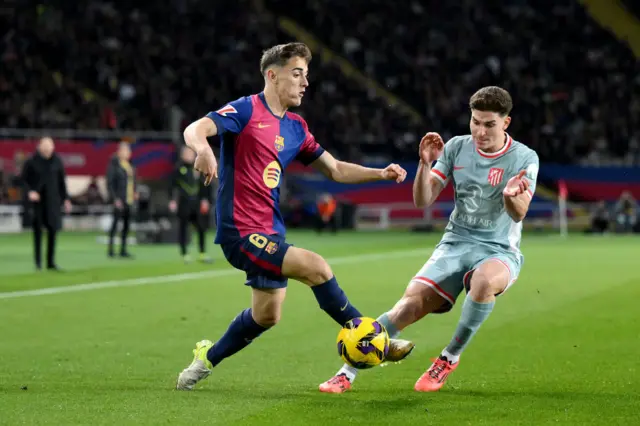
345 306
262 126
458 167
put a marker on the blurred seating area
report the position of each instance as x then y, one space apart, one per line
176 61
577 97
105 64
632 6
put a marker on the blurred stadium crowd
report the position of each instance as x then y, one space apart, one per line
104 64
116 65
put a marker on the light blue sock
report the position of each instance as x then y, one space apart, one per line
386 323
472 317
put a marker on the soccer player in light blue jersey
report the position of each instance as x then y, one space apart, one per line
494 179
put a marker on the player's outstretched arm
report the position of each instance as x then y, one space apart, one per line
343 172
195 136
517 196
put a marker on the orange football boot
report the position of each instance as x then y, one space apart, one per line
433 379
336 384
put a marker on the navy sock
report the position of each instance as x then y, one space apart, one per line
334 302
242 330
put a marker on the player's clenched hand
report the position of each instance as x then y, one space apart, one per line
516 185
206 164
431 147
394 172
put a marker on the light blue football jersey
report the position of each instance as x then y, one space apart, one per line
479 179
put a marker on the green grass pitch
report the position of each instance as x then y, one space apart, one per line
561 347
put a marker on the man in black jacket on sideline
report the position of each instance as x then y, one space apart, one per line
44 179
121 182
191 200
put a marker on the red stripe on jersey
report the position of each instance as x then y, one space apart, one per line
439 173
262 263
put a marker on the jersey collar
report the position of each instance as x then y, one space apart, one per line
497 154
264 102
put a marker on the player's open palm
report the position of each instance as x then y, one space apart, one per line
516 185
431 147
206 164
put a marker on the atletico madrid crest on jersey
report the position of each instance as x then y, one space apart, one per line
495 176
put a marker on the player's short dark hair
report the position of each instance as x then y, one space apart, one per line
492 99
280 55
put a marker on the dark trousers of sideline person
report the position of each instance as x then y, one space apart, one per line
124 215
39 222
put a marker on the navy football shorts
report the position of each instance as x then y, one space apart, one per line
261 257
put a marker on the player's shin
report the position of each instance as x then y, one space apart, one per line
472 317
241 332
334 302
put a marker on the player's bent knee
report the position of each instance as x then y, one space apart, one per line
306 266
322 272
485 285
267 319
267 316
266 307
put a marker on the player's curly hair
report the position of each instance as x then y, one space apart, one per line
492 99
280 54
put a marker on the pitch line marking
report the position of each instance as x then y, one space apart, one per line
178 278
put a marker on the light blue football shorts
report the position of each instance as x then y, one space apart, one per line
448 271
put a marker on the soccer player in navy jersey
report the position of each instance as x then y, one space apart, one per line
259 138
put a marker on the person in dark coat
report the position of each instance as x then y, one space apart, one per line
44 179
121 182
191 200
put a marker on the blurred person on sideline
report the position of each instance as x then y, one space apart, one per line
600 218
326 213
44 180
191 200
121 182
626 213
